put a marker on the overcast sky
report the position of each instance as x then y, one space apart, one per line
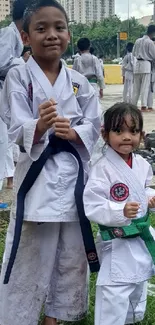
138 8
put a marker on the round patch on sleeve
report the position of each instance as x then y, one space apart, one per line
119 192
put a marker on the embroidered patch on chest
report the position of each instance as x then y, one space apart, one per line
75 87
119 192
30 91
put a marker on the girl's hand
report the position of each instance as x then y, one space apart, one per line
151 203
131 210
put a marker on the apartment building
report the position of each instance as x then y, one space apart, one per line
87 11
4 9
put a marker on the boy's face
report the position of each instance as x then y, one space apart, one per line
48 34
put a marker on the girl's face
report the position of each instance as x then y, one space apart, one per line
48 34
125 139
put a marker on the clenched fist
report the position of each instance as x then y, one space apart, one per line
47 112
131 209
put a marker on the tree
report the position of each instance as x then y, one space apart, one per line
5 22
103 35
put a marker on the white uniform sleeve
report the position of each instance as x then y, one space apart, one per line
150 192
16 113
89 127
75 64
98 207
124 63
151 50
99 73
8 42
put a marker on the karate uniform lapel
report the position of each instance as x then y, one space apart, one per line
49 90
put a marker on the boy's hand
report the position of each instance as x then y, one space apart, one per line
48 115
151 203
131 209
64 131
62 128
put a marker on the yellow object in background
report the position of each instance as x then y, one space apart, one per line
113 74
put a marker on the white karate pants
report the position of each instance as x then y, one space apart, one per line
120 304
50 268
141 88
9 166
150 98
127 91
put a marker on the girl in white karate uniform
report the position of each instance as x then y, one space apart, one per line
117 193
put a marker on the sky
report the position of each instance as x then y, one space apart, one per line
138 8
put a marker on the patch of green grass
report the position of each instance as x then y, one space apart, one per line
89 320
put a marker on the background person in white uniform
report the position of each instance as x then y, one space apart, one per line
11 47
116 193
89 66
144 51
128 67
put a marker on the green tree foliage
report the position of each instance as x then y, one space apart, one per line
5 22
103 35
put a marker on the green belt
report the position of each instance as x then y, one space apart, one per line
94 81
138 227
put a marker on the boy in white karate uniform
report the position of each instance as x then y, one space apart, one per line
117 197
43 98
89 66
128 66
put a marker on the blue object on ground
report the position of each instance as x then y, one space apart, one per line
3 205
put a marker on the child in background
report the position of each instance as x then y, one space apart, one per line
128 65
117 197
44 100
89 66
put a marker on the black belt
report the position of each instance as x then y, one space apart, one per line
55 146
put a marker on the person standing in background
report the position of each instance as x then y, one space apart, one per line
128 66
89 66
144 51
11 47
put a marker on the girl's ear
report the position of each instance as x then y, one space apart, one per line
104 135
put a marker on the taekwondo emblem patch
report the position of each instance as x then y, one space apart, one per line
30 92
92 256
75 87
119 192
118 232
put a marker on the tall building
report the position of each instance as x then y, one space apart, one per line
86 11
4 9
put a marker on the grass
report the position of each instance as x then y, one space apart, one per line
150 313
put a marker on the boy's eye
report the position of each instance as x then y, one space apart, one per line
40 29
61 27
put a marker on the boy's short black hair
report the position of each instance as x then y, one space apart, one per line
114 117
18 9
35 5
83 44
150 29
130 46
